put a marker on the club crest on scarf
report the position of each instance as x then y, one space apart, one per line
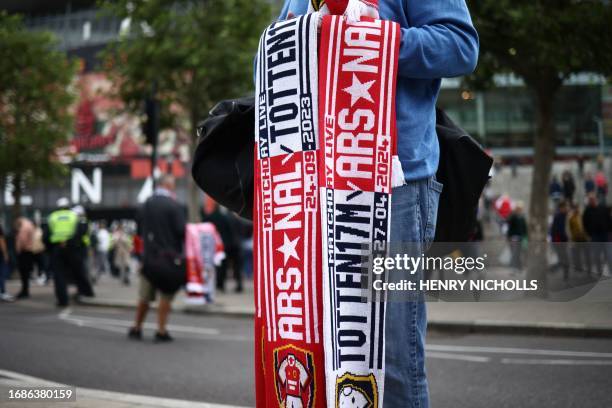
356 391
294 373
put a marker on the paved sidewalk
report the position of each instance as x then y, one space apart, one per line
88 398
589 315
110 292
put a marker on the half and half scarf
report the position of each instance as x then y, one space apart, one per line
204 252
289 357
358 69
322 201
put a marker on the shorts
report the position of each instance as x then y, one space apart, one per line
147 292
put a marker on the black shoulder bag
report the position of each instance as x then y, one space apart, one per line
223 166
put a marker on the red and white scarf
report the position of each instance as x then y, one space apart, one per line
204 252
289 360
358 69
322 194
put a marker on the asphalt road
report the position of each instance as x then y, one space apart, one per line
211 360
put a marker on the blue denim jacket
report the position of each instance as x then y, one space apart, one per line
438 41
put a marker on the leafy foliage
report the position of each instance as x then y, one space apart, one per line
543 41
197 52
35 101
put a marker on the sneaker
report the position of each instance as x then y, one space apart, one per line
22 295
135 334
162 337
5 297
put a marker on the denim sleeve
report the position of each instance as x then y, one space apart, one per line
284 10
441 40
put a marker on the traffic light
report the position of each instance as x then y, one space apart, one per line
150 125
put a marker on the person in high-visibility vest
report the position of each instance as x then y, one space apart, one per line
65 236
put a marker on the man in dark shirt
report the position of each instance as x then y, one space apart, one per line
228 227
558 235
595 221
162 227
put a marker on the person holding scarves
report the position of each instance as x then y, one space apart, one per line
438 40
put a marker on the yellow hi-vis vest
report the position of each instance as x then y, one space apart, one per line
62 225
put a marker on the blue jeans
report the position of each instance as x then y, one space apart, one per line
413 221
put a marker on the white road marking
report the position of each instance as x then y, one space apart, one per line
187 334
111 396
118 326
83 320
556 362
460 357
508 350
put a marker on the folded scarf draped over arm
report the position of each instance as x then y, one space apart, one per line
440 40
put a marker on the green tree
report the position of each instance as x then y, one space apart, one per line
196 52
544 42
35 101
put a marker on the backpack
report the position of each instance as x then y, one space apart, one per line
223 161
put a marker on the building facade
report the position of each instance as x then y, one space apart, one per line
109 160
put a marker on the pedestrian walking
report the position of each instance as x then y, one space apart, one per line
24 243
40 258
555 189
589 183
559 238
81 241
4 267
517 236
246 245
162 223
503 208
595 220
579 239
65 240
569 186
122 243
601 184
228 228
103 244
580 163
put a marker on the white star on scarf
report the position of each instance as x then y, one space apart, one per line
288 249
359 90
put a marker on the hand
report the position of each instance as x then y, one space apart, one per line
355 9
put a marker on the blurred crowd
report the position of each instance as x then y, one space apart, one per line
67 248
580 224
